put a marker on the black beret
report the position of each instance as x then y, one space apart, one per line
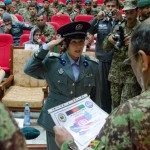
74 30
30 133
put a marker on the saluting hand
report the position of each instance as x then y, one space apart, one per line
55 42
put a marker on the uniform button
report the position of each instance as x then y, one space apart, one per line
71 92
89 84
73 84
58 81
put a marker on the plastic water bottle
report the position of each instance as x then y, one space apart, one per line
27 115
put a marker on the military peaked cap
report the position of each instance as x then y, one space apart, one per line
143 3
130 4
74 30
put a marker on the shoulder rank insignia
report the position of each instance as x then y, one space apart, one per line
52 54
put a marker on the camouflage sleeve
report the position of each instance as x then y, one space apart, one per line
11 137
107 46
127 127
62 10
50 32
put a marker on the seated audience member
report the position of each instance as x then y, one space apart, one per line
25 11
144 9
18 4
47 10
3 10
96 6
9 7
39 6
78 6
35 37
46 29
88 9
31 16
58 5
69 10
128 127
13 28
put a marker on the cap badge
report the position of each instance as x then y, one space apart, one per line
79 27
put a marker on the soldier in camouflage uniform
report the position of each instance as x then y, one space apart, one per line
11 137
69 10
95 5
46 29
77 6
3 10
123 81
25 11
17 4
88 10
47 10
9 8
58 5
128 127
144 9
31 17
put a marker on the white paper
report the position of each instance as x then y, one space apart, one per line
31 47
81 117
20 122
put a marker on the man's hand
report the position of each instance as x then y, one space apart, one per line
117 15
61 135
7 28
101 15
127 40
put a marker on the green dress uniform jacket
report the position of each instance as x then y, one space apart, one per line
58 73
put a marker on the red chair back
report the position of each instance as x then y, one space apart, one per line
55 25
25 38
100 2
85 18
63 1
20 18
6 40
63 19
1 22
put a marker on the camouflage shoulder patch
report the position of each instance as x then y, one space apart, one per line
52 54
91 58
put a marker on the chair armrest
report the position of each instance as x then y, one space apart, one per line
8 81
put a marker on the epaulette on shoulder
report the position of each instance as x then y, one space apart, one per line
91 58
52 54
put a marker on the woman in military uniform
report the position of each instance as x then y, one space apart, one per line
68 75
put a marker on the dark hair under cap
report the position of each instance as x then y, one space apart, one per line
74 30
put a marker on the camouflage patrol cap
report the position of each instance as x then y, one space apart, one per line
74 30
143 3
130 4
